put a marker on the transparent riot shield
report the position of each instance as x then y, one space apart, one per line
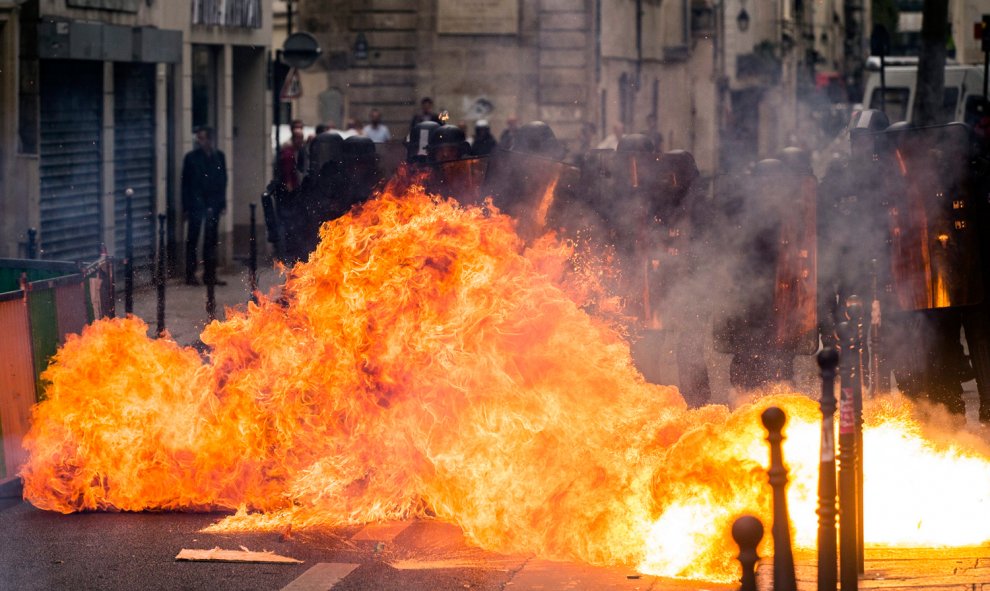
460 180
771 260
525 187
934 247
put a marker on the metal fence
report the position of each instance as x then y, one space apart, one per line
41 302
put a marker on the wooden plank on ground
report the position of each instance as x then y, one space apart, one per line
381 532
321 577
242 555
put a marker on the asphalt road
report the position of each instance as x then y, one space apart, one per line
42 551
45 551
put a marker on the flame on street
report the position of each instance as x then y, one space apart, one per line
426 362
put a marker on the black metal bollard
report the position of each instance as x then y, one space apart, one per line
253 256
107 276
879 377
747 531
160 273
32 243
210 239
128 253
783 558
848 548
828 361
273 223
854 308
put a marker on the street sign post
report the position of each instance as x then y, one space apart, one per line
300 50
292 88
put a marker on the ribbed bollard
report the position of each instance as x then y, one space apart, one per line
128 252
253 256
854 307
878 381
160 278
783 559
273 226
747 531
848 558
111 303
828 361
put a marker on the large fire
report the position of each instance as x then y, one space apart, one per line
426 362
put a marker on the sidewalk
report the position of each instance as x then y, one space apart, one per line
185 305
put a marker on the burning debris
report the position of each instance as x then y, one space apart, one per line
242 555
425 361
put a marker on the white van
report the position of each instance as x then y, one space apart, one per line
961 83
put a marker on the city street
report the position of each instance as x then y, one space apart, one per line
124 551
45 550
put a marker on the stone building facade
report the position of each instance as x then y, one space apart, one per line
101 96
722 77
565 62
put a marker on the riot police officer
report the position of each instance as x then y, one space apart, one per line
526 180
935 269
361 172
852 213
452 171
771 313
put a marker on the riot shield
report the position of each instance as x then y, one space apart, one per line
934 247
771 255
390 155
525 187
460 180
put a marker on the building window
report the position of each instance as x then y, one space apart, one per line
204 85
227 13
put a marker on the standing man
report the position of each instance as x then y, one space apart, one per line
375 129
425 113
292 163
204 197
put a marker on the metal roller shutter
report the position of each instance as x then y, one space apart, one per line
134 157
71 107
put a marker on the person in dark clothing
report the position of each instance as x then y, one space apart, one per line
204 197
424 114
484 141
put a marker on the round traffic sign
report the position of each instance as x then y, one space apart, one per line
300 50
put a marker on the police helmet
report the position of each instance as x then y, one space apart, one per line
635 142
868 121
419 139
795 160
536 137
447 142
326 147
768 167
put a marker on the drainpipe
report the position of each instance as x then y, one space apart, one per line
686 24
639 42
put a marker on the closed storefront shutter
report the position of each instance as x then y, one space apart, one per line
71 107
134 157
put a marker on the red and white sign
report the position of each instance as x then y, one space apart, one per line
292 88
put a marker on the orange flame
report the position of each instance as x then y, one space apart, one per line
425 361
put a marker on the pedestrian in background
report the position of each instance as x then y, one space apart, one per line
611 141
511 125
425 113
653 132
353 127
204 197
484 142
375 129
292 163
